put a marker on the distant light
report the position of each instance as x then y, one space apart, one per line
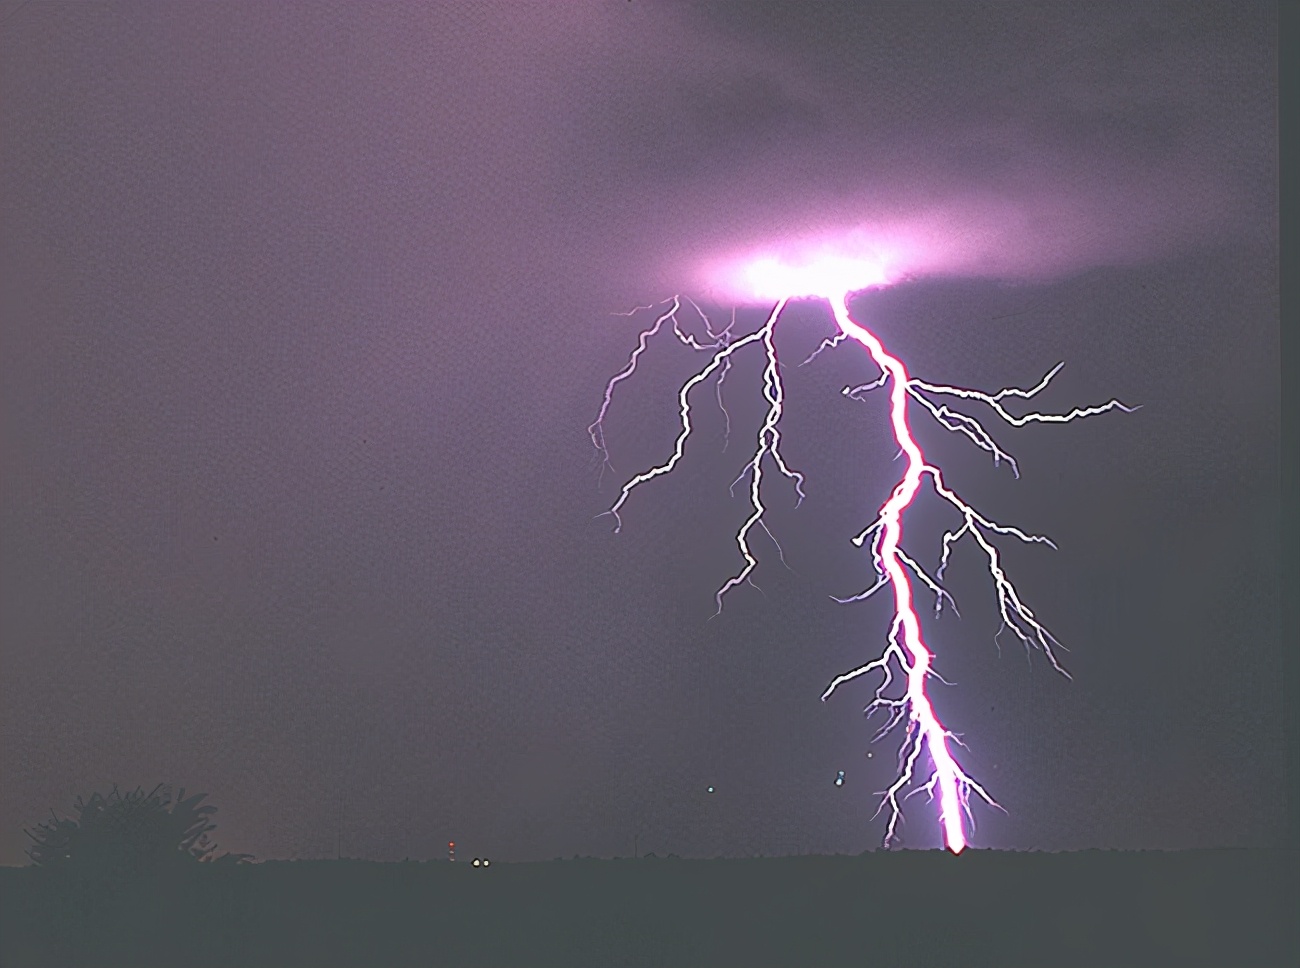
839 778
476 862
710 789
486 862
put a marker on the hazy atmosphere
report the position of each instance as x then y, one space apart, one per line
305 310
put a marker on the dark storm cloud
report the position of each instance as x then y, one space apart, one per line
691 118
994 139
306 309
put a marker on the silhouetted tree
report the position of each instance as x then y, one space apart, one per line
135 833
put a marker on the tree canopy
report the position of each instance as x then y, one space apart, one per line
135 832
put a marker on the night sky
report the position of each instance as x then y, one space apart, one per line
306 310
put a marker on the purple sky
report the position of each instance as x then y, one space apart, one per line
306 309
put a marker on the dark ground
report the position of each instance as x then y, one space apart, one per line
907 908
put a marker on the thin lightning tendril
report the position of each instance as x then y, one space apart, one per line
906 655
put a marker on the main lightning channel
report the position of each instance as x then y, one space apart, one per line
949 776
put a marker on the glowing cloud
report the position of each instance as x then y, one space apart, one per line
818 267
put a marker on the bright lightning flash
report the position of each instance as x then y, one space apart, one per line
833 279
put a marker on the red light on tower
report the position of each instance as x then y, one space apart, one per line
451 850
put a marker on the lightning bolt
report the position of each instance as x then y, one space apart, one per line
906 655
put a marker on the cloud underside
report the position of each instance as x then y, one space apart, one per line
1051 144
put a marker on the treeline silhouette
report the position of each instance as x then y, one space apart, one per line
135 881
129 834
